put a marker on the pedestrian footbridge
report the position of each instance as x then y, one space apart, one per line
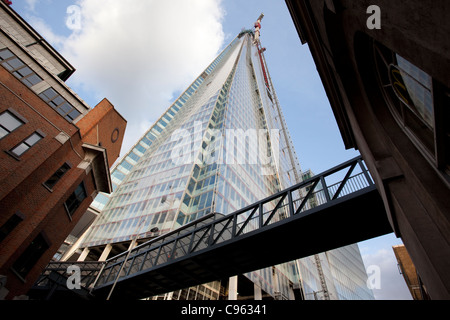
336 208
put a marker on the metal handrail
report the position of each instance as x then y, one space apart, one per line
89 272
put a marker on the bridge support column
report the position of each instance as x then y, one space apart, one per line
105 253
133 244
232 288
276 285
291 293
83 254
258 292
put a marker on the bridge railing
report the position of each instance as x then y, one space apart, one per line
324 189
60 271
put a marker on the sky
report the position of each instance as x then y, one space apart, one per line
142 54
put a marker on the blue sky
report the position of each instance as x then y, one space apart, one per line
159 50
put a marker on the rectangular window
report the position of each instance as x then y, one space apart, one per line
18 68
75 199
10 225
30 256
8 123
26 144
58 103
50 183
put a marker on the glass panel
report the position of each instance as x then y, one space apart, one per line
22 72
30 256
13 64
66 107
57 176
9 122
48 94
80 192
75 199
60 111
3 132
35 137
33 79
419 86
9 226
20 149
5 54
74 114
409 94
58 100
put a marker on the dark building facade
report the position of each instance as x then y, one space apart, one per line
385 68
55 155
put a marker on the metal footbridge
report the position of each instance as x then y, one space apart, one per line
311 217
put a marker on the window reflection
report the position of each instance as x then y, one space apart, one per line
419 87
409 94
418 103
18 68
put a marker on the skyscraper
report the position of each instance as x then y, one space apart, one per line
222 145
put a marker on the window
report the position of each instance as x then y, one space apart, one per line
75 199
409 92
58 103
417 102
8 123
50 183
18 68
26 144
10 225
30 256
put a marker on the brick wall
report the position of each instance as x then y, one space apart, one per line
39 116
104 126
22 178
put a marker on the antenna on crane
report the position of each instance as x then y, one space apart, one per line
257 28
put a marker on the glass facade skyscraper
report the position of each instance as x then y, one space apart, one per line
222 145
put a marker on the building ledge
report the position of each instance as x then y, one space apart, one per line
96 158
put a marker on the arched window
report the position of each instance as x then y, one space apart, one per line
419 104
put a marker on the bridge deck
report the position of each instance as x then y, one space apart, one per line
348 222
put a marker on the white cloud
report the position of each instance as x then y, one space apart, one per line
137 55
46 31
392 284
31 4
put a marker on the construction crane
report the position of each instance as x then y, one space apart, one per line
257 28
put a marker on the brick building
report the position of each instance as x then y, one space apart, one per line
55 155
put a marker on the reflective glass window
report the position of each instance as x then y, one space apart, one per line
18 68
26 144
51 182
57 102
10 225
8 123
27 260
75 199
417 102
